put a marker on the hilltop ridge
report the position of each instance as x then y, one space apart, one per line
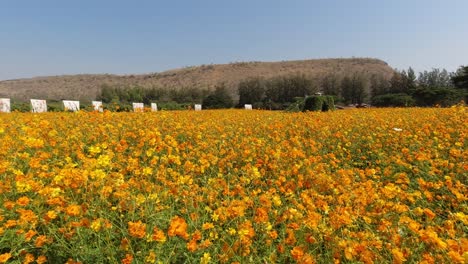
88 86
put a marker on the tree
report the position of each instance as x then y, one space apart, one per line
219 98
378 85
286 89
108 93
410 78
435 78
393 99
435 87
460 80
251 91
347 89
354 88
330 84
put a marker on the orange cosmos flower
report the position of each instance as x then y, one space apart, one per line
178 227
261 215
23 201
9 205
158 235
5 257
290 238
41 260
128 259
50 215
27 216
29 235
73 210
306 259
297 253
40 241
192 245
246 232
29 258
398 256
137 229
428 212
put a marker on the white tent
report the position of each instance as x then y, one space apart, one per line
71 105
138 107
38 106
5 105
97 105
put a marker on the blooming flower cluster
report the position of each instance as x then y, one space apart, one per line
235 186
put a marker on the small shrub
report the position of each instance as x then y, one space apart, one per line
318 103
313 103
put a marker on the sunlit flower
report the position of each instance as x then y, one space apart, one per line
137 229
178 227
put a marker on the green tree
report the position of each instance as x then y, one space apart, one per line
435 78
460 78
378 85
285 89
219 98
460 81
108 93
330 84
251 91
354 88
435 87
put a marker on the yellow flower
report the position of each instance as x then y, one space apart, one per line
96 225
151 258
205 259
207 226
73 210
398 256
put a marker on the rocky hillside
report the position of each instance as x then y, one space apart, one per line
87 86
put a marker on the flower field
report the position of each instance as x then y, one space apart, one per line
227 186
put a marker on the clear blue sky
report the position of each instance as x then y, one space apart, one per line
53 37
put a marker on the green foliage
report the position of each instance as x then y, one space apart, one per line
251 91
313 103
20 107
395 100
331 84
284 89
460 80
55 106
431 96
318 103
116 106
218 99
354 88
297 106
174 106
129 94
435 78
435 87
328 103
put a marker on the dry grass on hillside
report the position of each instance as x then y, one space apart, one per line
87 87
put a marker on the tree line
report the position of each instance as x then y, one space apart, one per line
404 88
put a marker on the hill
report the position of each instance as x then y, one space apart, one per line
88 86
